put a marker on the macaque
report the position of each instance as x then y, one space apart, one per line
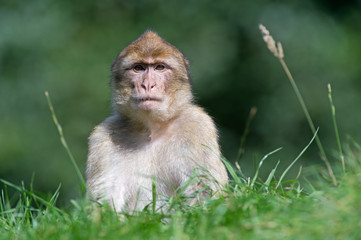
157 134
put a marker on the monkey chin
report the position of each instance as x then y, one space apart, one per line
149 105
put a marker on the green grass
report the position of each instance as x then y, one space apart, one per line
319 203
244 211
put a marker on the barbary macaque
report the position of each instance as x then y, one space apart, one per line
156 133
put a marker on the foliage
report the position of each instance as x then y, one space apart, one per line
242 211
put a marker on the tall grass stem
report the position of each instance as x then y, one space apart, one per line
64 143
309 119
278 53
335 126
242 146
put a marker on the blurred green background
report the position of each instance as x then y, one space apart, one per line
66 47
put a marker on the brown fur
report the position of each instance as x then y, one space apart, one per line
165 139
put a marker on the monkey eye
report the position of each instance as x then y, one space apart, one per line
160 67
138 67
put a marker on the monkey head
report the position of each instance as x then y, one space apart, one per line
150 79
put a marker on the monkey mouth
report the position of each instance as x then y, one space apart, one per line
147 98
148 102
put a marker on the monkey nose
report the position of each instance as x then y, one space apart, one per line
147 86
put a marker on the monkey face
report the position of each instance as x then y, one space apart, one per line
148 80
150 76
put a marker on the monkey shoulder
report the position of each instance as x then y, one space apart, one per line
199 139
193 130
101 140
195 119
102 133
196 111
102 150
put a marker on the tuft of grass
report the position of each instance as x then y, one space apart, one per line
260 164
259 212
279 54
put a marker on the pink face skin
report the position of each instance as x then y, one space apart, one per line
149 79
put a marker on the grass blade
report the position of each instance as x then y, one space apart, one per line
154 195
55 195
64 143
32 195
232 172
294 161
333 111
260 164
228 167
242 146
270 176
